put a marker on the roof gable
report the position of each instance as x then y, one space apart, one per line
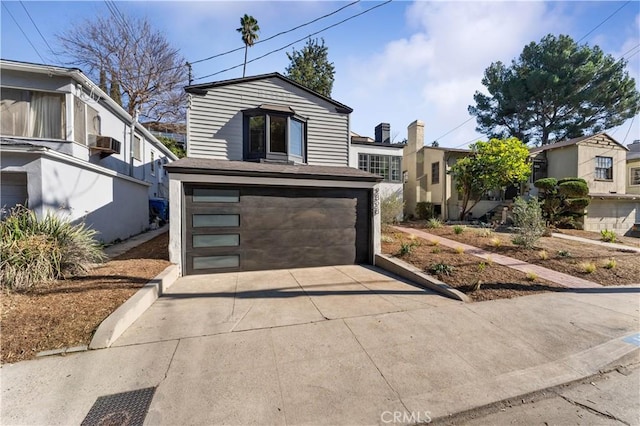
201 89
577 141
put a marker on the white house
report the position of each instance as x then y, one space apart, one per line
67 147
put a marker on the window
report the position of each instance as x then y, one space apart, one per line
634 176
275 134
137 144
604 168
86 120
435 173
387 166
32 114
153 163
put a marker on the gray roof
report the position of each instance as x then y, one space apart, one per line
281 170
200 89
378 144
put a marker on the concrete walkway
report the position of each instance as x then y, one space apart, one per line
547 274
117 249
334 345
595 242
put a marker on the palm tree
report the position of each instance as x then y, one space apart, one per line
249 29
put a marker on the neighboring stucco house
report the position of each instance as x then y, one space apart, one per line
633 169
602 162
427 179
266 183
379 156
68 148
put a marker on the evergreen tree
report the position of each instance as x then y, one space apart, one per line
311 67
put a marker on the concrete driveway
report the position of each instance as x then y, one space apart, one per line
333 345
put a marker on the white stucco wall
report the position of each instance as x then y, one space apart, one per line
386 188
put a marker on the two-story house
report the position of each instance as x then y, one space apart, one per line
266 183
68 148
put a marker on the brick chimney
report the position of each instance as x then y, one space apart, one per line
383 133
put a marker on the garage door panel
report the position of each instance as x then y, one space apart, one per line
276 228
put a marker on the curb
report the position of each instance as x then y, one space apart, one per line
120 319
415 275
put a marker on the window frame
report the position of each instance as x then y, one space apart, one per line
633 173
608 170
136 152
391 164
435 173
267 152
30 131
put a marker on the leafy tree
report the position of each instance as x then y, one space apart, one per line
311 67
249 30
145 72
556 89
491 165
563 201
529 221
173 146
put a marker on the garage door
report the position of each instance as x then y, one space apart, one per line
258 228
13 189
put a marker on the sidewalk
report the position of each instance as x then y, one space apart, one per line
547 274
117 249
599 243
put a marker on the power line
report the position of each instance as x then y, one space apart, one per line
455 128
35 25
279 34
299 40
22 31
629 130
605 20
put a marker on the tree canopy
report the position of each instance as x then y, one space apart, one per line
555 90
311 67
491 165
144 72
248 30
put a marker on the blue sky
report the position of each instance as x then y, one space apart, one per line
397 63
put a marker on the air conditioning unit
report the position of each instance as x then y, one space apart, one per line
104 144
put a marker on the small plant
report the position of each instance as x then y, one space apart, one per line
391 209
531 276
564 253
608 236
610 264
458 229
424 210
484 233
441 269
482 266
434 223
387 238
543 255
587 267
406 248
436 250
459 250
528 219
435 242
496 242
489 260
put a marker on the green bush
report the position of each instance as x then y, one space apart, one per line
441 269
458 229
608 236
434 223
563 201
391 209
36 250
546 184
424 210
573 188
528 219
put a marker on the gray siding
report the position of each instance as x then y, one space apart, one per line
215 121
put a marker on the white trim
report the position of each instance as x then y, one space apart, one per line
250 180
46 152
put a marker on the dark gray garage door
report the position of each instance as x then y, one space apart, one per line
257 228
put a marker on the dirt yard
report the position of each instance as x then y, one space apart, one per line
66 313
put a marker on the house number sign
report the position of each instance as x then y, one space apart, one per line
376 201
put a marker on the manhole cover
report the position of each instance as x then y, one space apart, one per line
120 409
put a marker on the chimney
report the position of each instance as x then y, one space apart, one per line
633 147
383 133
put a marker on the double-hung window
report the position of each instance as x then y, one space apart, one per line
274 132
634 176
604 168
34 114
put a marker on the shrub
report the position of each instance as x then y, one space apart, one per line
391 208
564 253
608 236
482 266
386 238
587 267
441 269
496 242
459 250
531 276
436 250
484 233
564 201
489 260
542 254
527 217
610 264
435 242
36 250
434 223
458 229
424 210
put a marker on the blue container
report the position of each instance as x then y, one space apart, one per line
159 208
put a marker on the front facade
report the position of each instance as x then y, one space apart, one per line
380 157
266 182
68 148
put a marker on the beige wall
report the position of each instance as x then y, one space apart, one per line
612 214
632 164
587 152
415 142
563 162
